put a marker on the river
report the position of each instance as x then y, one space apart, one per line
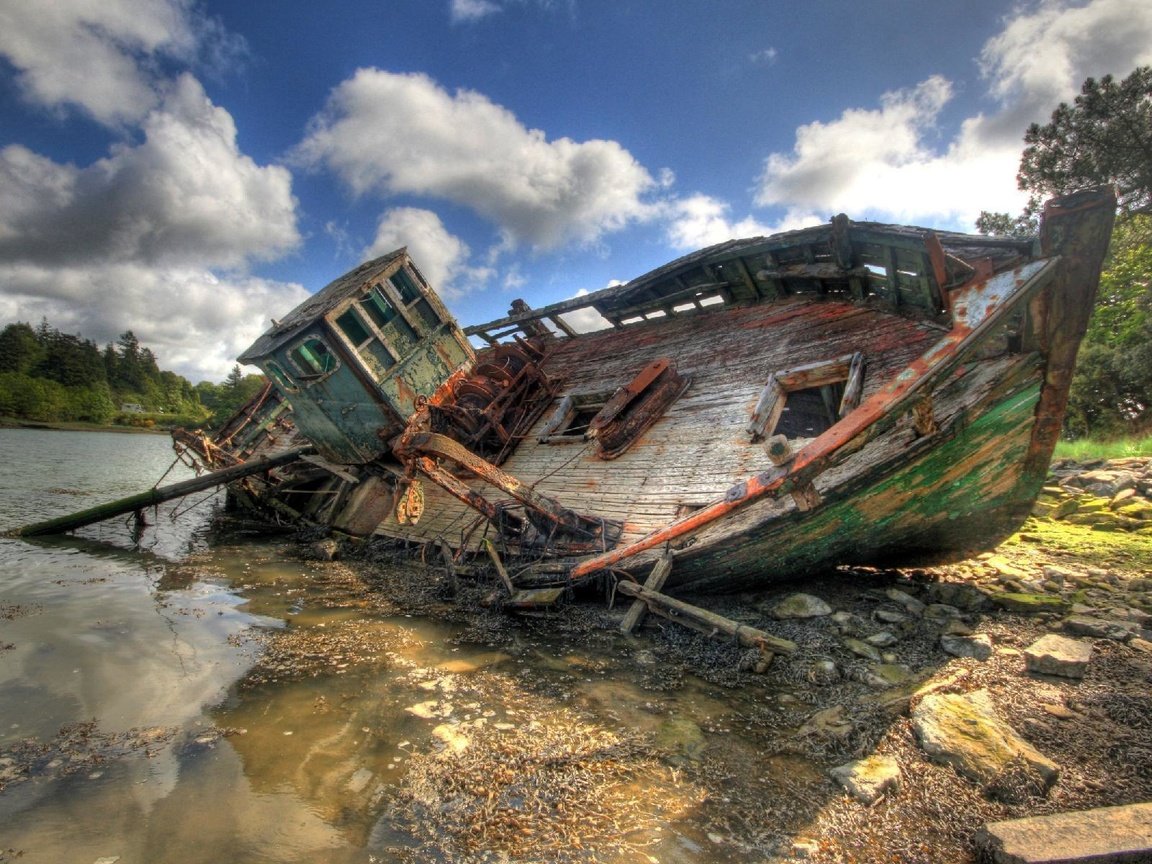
142 722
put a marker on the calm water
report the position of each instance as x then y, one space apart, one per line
184 754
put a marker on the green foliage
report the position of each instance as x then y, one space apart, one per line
49 376
223 400
1112 389
1104 137
1085 449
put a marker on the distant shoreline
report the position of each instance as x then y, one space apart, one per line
75 426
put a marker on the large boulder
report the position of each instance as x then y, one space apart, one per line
964 731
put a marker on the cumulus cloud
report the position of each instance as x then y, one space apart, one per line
890 162
185 194
442 257
130 241
393 134
701 220
195 321
103 57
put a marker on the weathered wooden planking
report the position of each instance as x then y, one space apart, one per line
702 446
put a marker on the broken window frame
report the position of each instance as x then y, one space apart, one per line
311 369
848 369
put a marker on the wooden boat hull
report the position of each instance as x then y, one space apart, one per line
910 387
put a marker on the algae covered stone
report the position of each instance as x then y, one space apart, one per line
870 778
964 731
801 606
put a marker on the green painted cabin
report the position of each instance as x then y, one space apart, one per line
353 358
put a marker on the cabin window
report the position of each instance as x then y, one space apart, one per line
353 328
313 358
277 374
405 285
805 401
572 417
379 307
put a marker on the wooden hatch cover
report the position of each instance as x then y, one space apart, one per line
635 407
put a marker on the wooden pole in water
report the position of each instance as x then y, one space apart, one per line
61 524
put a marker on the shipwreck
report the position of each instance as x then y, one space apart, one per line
852 393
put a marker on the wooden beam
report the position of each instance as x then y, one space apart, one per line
495 556
710 622
133 503
654 582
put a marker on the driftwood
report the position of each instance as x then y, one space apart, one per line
136 503
702 619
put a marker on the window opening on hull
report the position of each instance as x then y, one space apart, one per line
810 411
313 358
807 400
280 376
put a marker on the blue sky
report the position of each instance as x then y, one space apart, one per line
190 170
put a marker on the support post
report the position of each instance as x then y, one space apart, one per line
654 582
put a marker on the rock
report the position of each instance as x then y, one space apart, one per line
863 649
883 639
978 646
801 606
1058 655
910 603
960 595
849 624
1098 628
889 616
832 721
823 672
1028 603
868 779
941 612
885 675
1107 834
1003 567
956 627
1141 645
964 731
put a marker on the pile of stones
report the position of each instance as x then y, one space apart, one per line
1113 495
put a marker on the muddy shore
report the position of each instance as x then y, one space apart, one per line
874 646
573 742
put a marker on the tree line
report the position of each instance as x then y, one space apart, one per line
50 376
1103 138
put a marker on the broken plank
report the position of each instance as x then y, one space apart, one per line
495 556
654 582
686 613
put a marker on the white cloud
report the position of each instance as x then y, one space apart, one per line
700 220
102 56
394 134
889 163
185 194
195 321
587 320
765 57
472 10
129 241
442 257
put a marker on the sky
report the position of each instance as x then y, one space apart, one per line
191 169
